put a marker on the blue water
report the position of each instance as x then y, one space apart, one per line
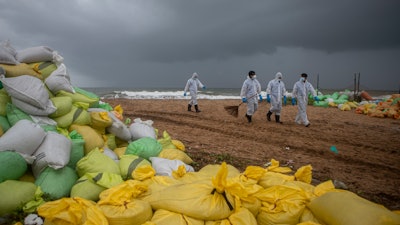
211 93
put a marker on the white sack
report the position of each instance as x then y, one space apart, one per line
24 137
110 153
7 54
119 129
28 89
54 152
35 54
33 110
165 167
59 80
140 129
43 120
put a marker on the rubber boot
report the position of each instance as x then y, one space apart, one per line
189 107
269 115
197 108
248 118
277 118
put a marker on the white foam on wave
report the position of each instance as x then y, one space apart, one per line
165 95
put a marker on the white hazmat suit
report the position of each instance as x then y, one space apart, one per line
276 90
251 88
192 86
301 89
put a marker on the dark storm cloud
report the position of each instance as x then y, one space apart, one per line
140 42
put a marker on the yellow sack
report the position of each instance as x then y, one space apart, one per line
72 211
304 174
166 141
175 154
270 179
242 217
63 105
4 99
323 188
165 217
43 68
76 115
179 145
100 121
120 151
92 138
281 205
253 172
91 101
129 163
19 70
121 206
345 207
274 167
201 200
143 172
96 162
345 107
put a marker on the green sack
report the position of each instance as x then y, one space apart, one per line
14 114
145 147
12 165
56 183
324 104
14 195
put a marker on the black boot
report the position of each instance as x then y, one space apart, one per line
269 115
197 108
248 118
189 107
277 118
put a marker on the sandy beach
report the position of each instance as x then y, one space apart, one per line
367 161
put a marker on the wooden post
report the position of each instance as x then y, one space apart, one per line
355 87
358 86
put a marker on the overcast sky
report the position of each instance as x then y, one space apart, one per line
148 43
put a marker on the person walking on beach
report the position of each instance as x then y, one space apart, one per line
192 85
301 90
275 90
250 89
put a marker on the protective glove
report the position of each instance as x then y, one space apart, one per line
316 98
184 94
260 98
268 98
284 100
293 101
244 100
204 87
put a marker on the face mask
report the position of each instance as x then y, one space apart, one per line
253 77
303 79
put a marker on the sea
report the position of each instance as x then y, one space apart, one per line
209 93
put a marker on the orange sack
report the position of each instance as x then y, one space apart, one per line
366 96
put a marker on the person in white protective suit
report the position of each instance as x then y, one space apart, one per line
301 90
250 89
192 85
275 91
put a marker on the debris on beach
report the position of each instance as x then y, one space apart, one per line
63 150
382 108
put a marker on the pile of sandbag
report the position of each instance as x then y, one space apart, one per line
68 158
339 100
388 108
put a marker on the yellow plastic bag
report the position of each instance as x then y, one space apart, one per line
345 207
72 211
121 206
